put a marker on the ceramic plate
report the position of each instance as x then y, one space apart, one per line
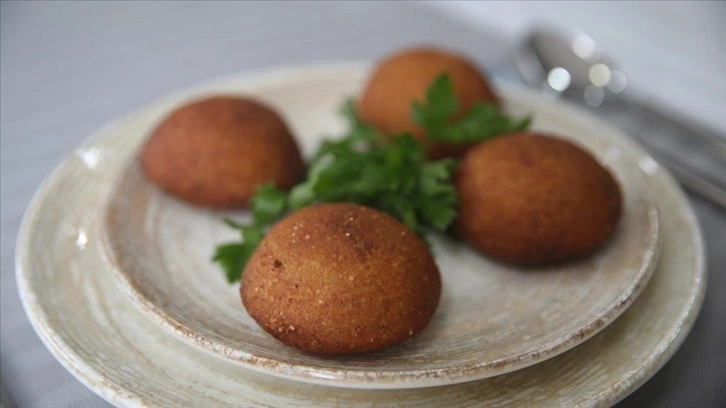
75 305
492 319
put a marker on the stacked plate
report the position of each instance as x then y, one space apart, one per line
116 279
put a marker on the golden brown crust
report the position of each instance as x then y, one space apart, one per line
533 199
404 77
339 279
216 151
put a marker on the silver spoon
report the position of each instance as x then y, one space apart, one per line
571 65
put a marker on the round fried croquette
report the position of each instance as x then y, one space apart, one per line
215 152
340 279
533 199
403 78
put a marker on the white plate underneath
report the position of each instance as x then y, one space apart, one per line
493 318
100 336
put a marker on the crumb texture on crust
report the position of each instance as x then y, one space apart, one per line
214 152
403 78
534 199
340 279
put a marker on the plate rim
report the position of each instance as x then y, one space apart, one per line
75 363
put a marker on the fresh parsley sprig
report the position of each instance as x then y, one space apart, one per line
391 174
393 177
481 122
267 204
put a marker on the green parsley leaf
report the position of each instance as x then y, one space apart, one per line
439 106
232 258
267 204
437 199
481 122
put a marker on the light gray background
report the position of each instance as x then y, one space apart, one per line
67 68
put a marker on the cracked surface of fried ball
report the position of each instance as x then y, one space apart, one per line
214 152
403 78
534 199
340 279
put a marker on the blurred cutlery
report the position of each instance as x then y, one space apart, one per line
572 66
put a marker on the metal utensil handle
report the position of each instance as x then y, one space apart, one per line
715 141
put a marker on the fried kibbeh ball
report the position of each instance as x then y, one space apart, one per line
216 151
341 279
533 199
402 78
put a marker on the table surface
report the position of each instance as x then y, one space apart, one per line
67 68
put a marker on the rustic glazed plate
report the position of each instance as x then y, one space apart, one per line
493 318
71 297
